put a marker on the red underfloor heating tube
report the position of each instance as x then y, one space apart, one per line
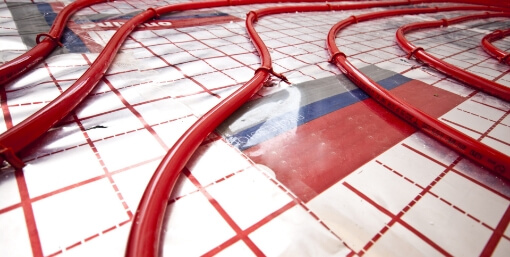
21 64
474 150
468 78
495 52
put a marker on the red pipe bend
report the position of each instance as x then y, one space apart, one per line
489 158
23 63
492 50
466 77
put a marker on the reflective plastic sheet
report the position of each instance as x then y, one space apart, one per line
314 168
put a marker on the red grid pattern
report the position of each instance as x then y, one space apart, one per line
200 66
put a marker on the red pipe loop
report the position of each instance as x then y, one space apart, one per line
50 37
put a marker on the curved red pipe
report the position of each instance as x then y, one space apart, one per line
21 64
474 150
468 78
495 52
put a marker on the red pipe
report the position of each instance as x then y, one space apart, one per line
467 146
489 48
21 64
468 78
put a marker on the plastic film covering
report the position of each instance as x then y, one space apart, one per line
310 168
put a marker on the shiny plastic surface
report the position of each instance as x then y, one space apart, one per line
470 148
18 66
475 81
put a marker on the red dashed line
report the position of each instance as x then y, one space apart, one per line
90 237
409 180
433 194
442 199
487 225
472 217
397 173
474 114
72 246
25 104
459 209
108 229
